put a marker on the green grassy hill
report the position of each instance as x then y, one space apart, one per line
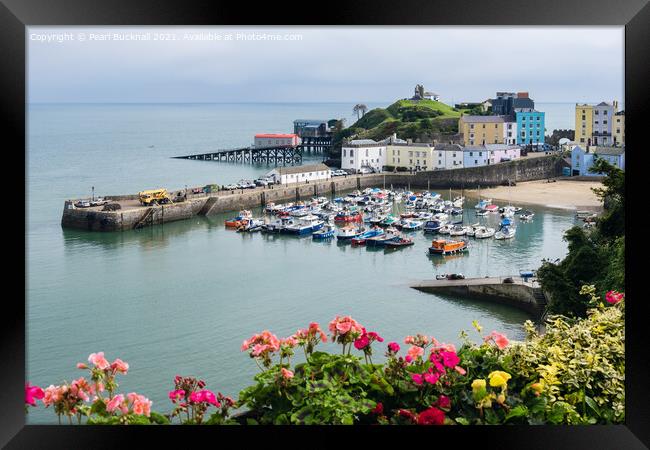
410 119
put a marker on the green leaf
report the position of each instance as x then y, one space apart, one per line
462 421
592 404
517 411
251 422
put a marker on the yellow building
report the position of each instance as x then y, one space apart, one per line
618 128
480 130
415 157
584 123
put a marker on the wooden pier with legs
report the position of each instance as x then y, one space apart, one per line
277 155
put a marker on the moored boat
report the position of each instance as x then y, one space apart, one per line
324 233
399 242
304 225
445 247
348 232
241 219
483 232
361 240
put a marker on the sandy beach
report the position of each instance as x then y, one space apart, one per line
562 194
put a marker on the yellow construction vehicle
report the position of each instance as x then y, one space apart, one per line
154 197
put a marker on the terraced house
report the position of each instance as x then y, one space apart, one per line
598 124
480 130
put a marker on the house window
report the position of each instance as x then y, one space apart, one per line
483 125
351 152
366 152
439 163
480 153
476 161
471 154
471 127
344 153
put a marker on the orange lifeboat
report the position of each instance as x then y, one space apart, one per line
444 247
242 219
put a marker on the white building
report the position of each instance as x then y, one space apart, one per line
447 156
300 174
510 130
276 140
360 153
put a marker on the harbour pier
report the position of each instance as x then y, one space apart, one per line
133 215
525 295
277 155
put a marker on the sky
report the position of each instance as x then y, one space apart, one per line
322 64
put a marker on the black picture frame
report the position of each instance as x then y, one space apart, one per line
16 15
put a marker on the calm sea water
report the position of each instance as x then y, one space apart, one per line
179 299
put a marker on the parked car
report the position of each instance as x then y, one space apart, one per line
197 191
230 187
508 280
262 182
455 276
364 170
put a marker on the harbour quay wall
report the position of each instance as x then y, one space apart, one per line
132 215
525 296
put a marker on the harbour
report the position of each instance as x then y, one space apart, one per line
182 292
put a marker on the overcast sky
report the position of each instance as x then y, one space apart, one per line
324 64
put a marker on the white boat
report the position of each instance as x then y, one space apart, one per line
304 225
470 230
445 229
457 230
507 232
483 232
482 212
527 215
348 232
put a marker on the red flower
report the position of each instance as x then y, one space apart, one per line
379 409
613 297
362 342
407 414
431 416
443 402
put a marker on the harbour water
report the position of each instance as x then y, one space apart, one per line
180 299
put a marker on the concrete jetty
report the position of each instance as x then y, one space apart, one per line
131 214
525 295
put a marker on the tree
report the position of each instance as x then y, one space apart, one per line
359 108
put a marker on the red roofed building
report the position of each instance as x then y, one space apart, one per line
275 140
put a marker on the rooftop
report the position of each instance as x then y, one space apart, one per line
276 135
607 150
310 121
363 143
302 169
483 119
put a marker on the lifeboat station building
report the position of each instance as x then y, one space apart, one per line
300 174
276 140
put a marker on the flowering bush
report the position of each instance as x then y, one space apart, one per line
572 374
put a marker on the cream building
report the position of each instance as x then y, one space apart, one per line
480 130
618 128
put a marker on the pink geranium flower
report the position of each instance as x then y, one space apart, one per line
286 373
499 339
415 352
115 403
362 342
450 359
98 360
394 347
32 393
614 297
120 366
417 378
431 416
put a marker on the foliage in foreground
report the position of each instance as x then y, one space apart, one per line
572 374
596 256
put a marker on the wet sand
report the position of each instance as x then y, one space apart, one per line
562 194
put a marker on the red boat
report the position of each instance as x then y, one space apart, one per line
348 217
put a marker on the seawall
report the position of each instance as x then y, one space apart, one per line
132 214
527 296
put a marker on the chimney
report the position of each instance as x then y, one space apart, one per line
522 94
615 103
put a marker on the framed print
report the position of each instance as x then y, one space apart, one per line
400 218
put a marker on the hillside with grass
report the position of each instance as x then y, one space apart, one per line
419 120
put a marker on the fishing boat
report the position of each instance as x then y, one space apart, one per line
506 232
361 240
276 226
389 220
380 241
241 219
446 228
446 247
410 225
348 232
484 232
491 208
251 225
348 216
457 230
527 215
470 230
304 225
326 232
432 226
399 242
482 212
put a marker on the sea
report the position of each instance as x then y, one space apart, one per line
179 299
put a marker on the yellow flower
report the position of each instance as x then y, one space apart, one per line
500 399
499 378
477 385
476 325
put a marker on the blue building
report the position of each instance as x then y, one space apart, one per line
582 160
530 126
475 155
